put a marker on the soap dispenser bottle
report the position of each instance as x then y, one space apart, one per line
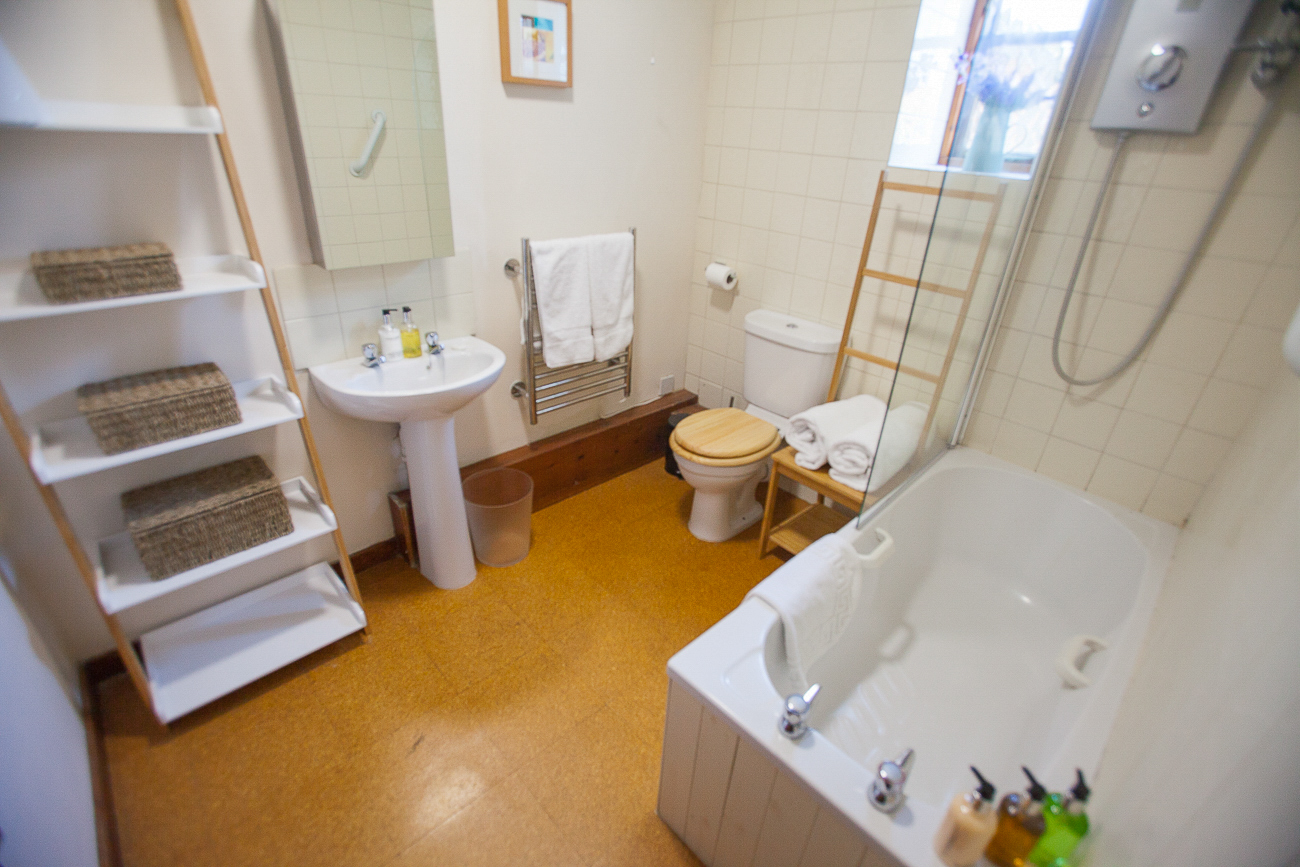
1066 824
968 825
390 340
1020 824
410 336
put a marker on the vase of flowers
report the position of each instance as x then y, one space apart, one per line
1000 92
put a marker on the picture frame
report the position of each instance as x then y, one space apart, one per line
536 42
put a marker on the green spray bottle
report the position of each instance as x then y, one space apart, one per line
1066 824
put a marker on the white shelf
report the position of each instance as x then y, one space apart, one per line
60 114
66 449
213 652
122 579
21 106
21 298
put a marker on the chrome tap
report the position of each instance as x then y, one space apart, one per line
794 720
886 792
434 344
370 356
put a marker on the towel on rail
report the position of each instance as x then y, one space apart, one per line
584 297
562 284
813 430
898 441
815 593
610 258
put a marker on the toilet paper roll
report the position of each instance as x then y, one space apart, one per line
719 276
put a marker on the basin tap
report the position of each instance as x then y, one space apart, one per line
886 793
794 719
434 344
370 356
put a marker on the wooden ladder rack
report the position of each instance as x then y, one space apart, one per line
818 519
348 617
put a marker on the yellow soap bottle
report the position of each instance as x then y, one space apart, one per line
968 825
410 336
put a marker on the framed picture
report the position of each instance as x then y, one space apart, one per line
536 42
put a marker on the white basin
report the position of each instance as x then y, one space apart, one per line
422 394
411 388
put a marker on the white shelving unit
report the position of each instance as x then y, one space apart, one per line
210 652
67 448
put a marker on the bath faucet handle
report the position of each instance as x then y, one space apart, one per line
435 344
794 720
886 793
370 356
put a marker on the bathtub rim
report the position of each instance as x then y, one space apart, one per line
724 667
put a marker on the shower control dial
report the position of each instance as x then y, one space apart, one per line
1161 67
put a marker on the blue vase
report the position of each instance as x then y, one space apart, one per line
985 151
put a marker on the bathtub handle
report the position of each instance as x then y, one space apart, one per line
881 552
1074 656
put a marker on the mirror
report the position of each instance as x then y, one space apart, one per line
359 79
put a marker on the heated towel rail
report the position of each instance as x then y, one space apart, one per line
552 388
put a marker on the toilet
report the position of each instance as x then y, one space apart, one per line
723 453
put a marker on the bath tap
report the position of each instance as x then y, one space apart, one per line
886 792
794 720
434 344
370 356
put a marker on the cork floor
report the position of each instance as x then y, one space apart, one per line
518 720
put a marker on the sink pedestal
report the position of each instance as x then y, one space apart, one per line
437 504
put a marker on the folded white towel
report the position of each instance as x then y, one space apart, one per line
813 430
562 283
815 593
898 442
610 264
852 453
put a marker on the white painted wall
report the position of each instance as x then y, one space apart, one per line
1203 765
46 808
621 148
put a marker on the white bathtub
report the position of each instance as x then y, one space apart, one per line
995 569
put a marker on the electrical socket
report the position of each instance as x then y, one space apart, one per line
666 385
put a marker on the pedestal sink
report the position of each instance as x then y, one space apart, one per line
422 394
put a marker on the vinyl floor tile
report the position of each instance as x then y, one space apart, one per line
518 720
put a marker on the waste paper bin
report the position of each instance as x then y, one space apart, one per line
499 505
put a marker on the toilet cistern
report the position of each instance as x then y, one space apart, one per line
423 398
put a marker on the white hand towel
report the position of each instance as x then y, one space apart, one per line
611 266
562 283
815 593
898 442
813 430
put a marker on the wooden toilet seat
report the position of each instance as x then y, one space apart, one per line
724 437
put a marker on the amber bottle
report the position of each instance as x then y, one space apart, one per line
1020 824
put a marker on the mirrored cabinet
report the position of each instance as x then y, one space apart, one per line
359 80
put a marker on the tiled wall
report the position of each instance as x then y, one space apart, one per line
803 95
347 59
1152 438
330 315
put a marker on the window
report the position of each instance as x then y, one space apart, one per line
982 82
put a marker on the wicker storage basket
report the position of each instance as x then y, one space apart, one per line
190 520
147 408
96 273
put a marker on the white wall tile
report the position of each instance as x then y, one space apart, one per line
1068 462
1122 481
314 340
